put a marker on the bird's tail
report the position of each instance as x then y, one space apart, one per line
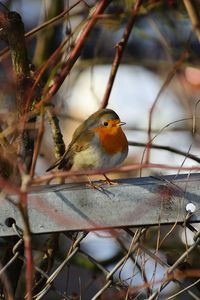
62 163
54 165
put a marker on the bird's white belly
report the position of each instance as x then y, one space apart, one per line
92 158
86 159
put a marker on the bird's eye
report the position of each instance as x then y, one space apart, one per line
105 123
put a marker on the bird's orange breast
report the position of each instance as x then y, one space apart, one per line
113 140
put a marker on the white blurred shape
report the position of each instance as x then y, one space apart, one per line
100 245
190 207
187 236
130 274
134 91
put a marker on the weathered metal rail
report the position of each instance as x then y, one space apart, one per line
133 202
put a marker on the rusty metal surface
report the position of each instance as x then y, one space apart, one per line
133 202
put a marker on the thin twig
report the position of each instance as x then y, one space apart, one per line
51 278
133 247
167 148
193 12
174 266
42 26
37 144
120 47
171 74
66 68
137 264
194 117
184 290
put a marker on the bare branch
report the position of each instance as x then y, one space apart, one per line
120 47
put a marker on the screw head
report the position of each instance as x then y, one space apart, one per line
190 207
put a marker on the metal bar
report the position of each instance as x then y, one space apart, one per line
133 202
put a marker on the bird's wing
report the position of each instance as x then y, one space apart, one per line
79 143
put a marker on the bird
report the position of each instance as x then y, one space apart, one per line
98 143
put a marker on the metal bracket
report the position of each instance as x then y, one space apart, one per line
133 202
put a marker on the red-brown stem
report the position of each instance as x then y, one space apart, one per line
29 266
11 188
27 245
51 60
120 47
127 168
58 80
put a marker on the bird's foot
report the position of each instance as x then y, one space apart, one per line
93 185
108 181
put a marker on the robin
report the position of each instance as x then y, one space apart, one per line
98 143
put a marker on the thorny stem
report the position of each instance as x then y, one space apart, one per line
59 146
120 47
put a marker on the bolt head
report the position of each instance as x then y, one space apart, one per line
190 207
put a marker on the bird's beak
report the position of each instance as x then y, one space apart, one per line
121 123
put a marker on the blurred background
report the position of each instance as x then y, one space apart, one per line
158 79
161 35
